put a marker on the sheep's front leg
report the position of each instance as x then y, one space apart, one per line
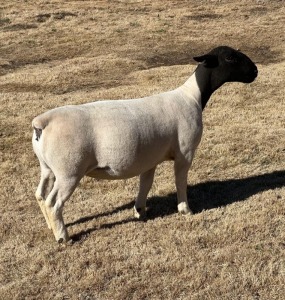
61 191
181 168
146 180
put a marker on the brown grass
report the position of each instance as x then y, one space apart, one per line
54 53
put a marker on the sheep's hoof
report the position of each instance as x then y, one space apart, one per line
63 240
139 213
184 209
65 244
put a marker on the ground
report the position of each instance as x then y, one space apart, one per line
54 53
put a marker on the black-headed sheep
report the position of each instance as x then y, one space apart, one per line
125 138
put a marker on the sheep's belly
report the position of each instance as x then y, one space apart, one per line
108 173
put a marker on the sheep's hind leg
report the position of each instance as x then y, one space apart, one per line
45 186
146 180
62 190
181 168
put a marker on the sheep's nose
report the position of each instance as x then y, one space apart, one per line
255 72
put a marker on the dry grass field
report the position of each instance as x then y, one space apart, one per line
54 53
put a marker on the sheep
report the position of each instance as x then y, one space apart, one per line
119 139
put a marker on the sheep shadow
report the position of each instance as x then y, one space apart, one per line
202 196
213 194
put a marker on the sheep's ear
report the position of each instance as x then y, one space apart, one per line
208 60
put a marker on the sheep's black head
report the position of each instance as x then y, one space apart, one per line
228 65
223 64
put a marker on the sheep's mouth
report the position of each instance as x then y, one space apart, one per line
251 77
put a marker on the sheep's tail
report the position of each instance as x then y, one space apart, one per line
39 123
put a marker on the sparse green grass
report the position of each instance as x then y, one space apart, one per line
4 21
233 246
135 24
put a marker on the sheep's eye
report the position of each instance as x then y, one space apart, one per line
231 59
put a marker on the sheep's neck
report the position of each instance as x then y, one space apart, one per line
206 83
202 84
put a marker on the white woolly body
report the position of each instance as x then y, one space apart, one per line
118 139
